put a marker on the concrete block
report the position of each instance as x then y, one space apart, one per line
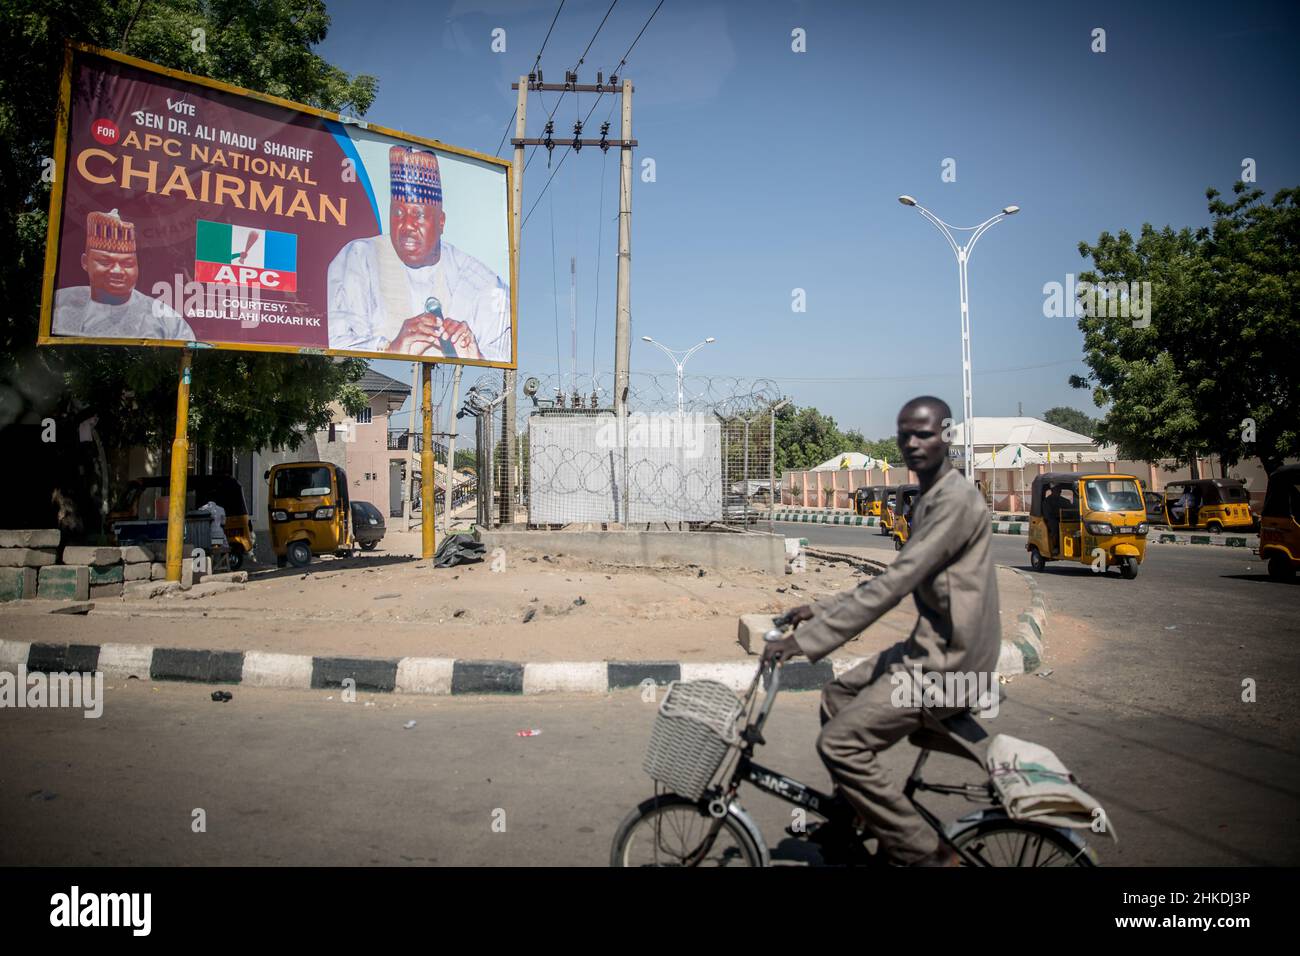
751 631
635 673
262 669
226 577
147 590
100 591
487 677
88 555
30 539
548 677
64 582
135 572
134 554
207 589
188 576
369 673
424 675
206 667
125 660
27 557
735 674
158 571
1010 660
13 655
106 574
17 584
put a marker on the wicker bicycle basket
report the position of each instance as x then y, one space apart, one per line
693 730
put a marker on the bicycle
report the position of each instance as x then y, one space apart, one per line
707 825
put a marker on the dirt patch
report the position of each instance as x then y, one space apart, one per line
534 608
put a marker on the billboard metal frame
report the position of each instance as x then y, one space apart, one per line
54 232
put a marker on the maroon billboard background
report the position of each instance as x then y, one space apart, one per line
107 94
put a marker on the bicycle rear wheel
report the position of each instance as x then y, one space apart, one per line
1007 842
673 831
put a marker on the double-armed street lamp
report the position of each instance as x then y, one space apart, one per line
680 363
962 252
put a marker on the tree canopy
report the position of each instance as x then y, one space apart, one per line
805 437
1215 367
238 399
1070 418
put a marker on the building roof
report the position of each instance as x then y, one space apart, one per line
1010 456
849 459
1019 431
377 383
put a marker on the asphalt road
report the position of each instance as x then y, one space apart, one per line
1151 719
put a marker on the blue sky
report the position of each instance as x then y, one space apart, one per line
778 170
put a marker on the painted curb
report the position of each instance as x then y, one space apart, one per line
1023 654
1248 542
408 675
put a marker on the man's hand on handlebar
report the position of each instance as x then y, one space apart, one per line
777 652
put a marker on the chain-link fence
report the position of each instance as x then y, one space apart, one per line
694 452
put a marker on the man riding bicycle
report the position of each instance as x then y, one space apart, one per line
947 568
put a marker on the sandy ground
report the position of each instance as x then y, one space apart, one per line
389 603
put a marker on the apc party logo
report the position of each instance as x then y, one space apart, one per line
226 254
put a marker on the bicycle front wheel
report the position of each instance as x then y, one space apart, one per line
1007 842
673 831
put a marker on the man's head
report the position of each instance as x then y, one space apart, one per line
109 258
415 216
921 426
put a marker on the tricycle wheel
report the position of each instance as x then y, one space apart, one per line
1129 569
1036 560
299 554
1279 568
236 559
369 545
1214 527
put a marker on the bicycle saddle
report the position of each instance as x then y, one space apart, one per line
958 735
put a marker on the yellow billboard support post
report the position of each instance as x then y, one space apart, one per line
428 480
180 469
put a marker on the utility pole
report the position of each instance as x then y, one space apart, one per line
623 330
573 325
507 511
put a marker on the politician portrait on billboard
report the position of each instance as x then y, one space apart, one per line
189 212
412 291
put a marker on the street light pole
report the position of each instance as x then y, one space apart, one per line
681 364
962 252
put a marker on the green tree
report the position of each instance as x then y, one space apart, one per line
805 438
1070 419
885 449
1223 341
237 399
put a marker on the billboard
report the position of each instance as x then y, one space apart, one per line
189 212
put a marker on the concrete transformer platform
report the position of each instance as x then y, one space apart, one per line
756 551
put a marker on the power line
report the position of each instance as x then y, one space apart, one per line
536 60
924 375
621 63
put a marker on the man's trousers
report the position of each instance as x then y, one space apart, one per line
859 720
